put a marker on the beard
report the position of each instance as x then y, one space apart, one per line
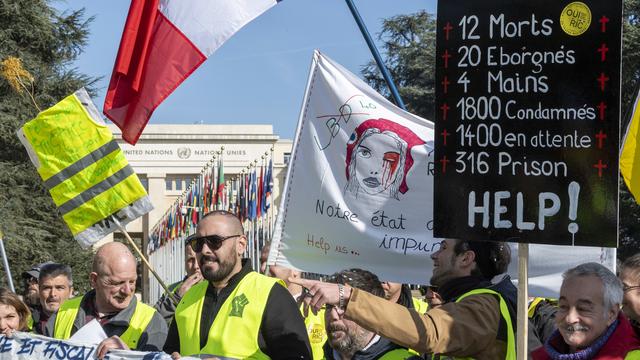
32 298
225 268
352 341
441 279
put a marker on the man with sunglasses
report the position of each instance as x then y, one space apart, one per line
236 312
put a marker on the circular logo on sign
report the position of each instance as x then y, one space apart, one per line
184 152
575 18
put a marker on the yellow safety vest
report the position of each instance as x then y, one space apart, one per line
68 311
316 330
397 354
234 332
30 327
534 305
81 164
419 305
504 311
633 355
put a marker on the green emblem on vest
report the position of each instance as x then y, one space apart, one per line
237 305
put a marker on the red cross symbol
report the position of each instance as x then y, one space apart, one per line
445 84
447 28
446 57
602 107
444 134
603 23
602 79
603 51
444 162
445 109
600 136
598 166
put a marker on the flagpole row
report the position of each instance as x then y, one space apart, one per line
208 164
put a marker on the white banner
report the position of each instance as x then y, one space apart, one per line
359 186
359 191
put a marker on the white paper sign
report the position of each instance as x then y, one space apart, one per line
359 191
91 333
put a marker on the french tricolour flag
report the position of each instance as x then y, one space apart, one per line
163 42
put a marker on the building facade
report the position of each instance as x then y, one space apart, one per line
168 157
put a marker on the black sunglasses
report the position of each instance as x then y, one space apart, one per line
213 242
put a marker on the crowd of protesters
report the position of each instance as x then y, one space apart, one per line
226 309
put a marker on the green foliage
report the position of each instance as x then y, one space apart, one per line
46 42
409 44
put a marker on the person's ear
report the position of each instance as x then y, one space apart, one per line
612 315
468 257
241 245
93 279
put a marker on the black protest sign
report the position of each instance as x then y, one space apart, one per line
527 121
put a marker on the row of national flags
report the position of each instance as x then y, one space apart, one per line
247 194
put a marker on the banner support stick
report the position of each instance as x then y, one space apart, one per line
144 260
5 261
523 301
376 55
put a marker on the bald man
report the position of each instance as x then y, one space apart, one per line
129 324
236 312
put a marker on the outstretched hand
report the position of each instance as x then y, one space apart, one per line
320 293
111 343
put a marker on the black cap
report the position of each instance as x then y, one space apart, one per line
34 272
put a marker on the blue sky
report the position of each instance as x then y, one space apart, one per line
259 75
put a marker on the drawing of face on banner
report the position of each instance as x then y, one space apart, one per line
379 157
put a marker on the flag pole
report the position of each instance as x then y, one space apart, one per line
376 55
144 260
523 298
5 261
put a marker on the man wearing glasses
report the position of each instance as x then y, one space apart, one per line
236 312
630 277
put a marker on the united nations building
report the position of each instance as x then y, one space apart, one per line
168 157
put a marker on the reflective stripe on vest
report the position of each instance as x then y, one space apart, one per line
68 311
316 330
504 311
419 305
81 164
397 354
234 332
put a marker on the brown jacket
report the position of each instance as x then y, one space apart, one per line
464 329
